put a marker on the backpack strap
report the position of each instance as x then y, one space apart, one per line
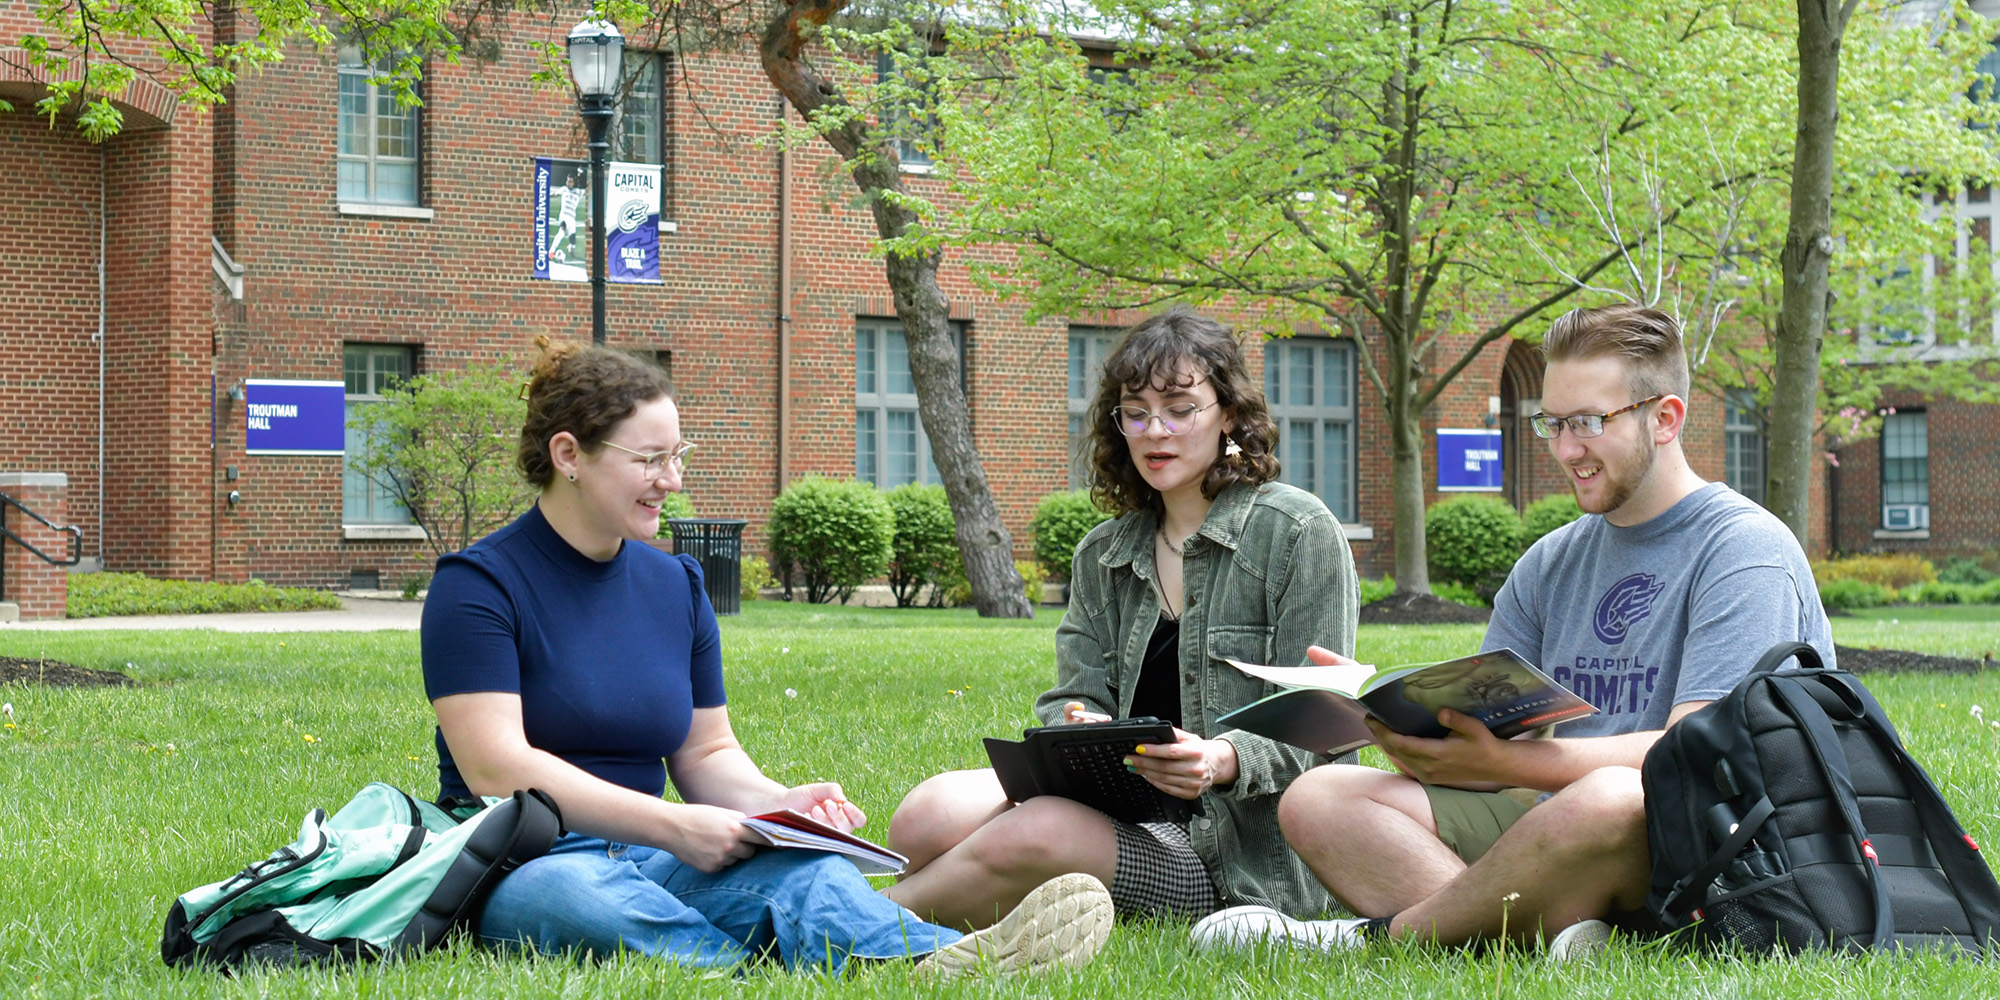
1698 880
1832 761
1975 887
1776 656
513 833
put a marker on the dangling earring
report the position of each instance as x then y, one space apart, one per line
1231 449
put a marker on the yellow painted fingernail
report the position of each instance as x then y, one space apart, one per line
1140 749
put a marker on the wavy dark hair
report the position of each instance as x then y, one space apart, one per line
585 391
1151 354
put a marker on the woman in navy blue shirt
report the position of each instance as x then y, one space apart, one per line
558 656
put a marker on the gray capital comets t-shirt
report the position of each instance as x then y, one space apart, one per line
1637 620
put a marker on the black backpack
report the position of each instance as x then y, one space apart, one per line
1787 814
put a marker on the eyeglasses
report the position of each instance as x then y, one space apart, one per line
1132 421
1583 425
657 462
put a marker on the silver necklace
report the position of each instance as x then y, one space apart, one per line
1169 543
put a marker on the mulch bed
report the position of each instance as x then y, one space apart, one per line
1421 609
1861 661
56 673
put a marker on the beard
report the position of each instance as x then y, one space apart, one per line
1622 479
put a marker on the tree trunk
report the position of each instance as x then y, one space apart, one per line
1808 251
1406 483
983 541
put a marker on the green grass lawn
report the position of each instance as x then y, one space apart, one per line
114 801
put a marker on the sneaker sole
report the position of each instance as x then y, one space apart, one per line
1580 941
1064 922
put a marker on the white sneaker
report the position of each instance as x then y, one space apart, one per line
1063 922
1580 941
1241 928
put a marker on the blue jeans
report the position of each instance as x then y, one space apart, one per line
810 909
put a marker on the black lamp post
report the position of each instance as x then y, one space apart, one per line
597 64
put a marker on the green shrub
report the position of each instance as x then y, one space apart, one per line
1458 593
415 585
1892 571
1959 569
95 595
833 535
957 593
1473 540
925 546
1375 590
1937 593
1849 594
1546 515
673 505
1060 522
756 575
1985 593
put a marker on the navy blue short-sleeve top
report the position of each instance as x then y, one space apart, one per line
610 658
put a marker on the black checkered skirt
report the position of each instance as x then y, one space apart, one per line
1158 873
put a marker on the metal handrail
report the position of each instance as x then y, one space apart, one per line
75 535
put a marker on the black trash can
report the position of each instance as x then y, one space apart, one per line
717 544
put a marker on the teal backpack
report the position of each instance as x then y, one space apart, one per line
386 873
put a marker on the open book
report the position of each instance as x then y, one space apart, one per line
788 828
1323 708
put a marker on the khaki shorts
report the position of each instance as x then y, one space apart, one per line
1469 822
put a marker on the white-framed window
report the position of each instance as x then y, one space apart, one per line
905 117
378 138
1088 347
1906 469
1743 443
1309 386
369 369
638 132
890 447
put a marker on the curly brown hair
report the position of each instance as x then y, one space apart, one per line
1151 354
585 391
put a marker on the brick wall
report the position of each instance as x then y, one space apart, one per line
1964 479
37 588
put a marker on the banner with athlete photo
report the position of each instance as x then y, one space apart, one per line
562 221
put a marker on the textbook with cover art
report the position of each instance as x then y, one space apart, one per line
1323 708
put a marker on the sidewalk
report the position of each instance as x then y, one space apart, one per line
357 614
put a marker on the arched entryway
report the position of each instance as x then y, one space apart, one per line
1520 396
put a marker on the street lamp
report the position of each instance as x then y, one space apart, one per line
597 64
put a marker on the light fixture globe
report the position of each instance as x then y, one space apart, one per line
596 58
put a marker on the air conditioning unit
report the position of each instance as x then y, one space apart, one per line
1906 516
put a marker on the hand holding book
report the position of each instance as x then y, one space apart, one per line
1325 708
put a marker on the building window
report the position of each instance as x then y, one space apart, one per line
1906 471
378 138
640 128
890 447
370 369
905 116
1088 346
1309 384
1743 431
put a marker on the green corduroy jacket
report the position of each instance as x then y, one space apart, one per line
1268 574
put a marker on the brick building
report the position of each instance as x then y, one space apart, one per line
309 230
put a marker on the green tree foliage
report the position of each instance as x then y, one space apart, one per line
1060 522
925 550
1546 515
833 534
95 51
443 445
1438 174
1475 538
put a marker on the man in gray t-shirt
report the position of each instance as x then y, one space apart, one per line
1640 619
1652 605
